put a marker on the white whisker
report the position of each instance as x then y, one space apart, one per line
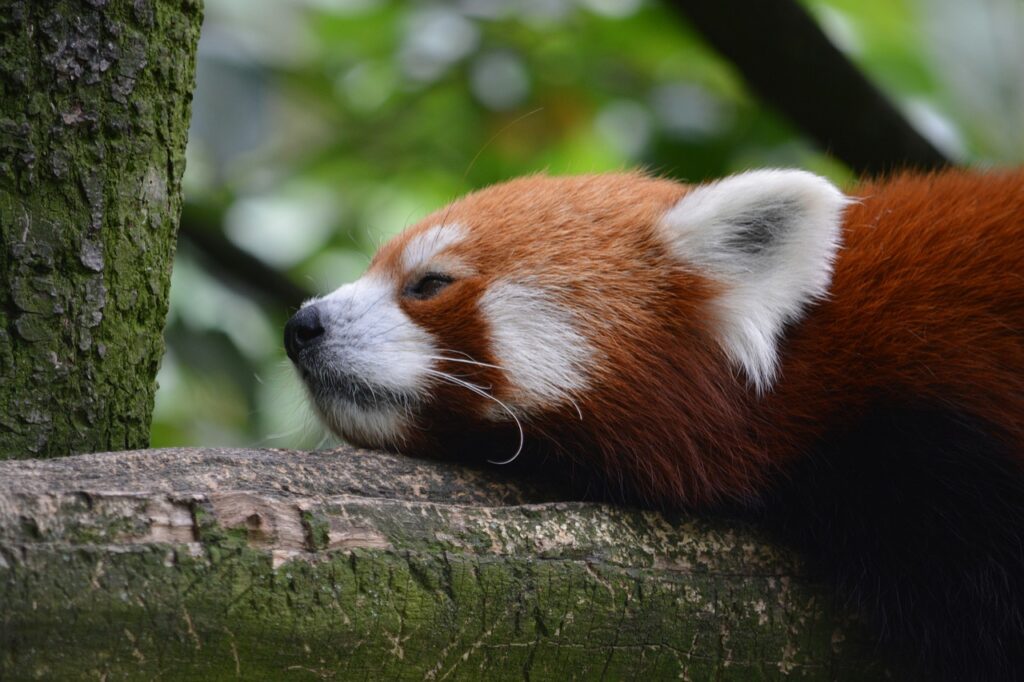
466 362
481 392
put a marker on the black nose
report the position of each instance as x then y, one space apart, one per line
302 331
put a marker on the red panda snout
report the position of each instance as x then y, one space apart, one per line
367 366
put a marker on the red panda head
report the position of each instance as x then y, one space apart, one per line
621 320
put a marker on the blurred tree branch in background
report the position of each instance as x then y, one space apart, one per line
787 60
782 54
201 229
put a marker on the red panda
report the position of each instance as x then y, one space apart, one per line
848 367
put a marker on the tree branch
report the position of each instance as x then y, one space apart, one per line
790 64
201 229
269 564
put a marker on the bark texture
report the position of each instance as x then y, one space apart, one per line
213 564
94 111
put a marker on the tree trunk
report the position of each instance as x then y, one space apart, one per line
210 564
94 111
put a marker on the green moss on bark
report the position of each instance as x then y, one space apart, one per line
94 111
405 615
276 565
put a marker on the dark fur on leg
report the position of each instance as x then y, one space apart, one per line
919 514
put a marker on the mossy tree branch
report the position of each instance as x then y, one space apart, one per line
275 565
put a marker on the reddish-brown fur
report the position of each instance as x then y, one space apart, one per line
927 305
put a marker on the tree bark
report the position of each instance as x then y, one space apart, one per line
212 564
94 112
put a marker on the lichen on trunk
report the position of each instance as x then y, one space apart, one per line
94 110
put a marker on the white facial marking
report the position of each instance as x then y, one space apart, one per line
424 247
370 340
374 426
536 342
770 237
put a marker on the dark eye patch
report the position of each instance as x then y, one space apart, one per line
427 286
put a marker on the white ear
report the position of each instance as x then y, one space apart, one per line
769 237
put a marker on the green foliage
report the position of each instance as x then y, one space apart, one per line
322 128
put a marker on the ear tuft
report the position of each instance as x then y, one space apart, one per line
769 237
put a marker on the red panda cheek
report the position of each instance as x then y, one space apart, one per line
541 342
464 364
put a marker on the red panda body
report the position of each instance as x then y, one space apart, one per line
850 369
926 307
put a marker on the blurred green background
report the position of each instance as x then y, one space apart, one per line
322 127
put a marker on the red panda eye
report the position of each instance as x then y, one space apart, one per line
428 286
